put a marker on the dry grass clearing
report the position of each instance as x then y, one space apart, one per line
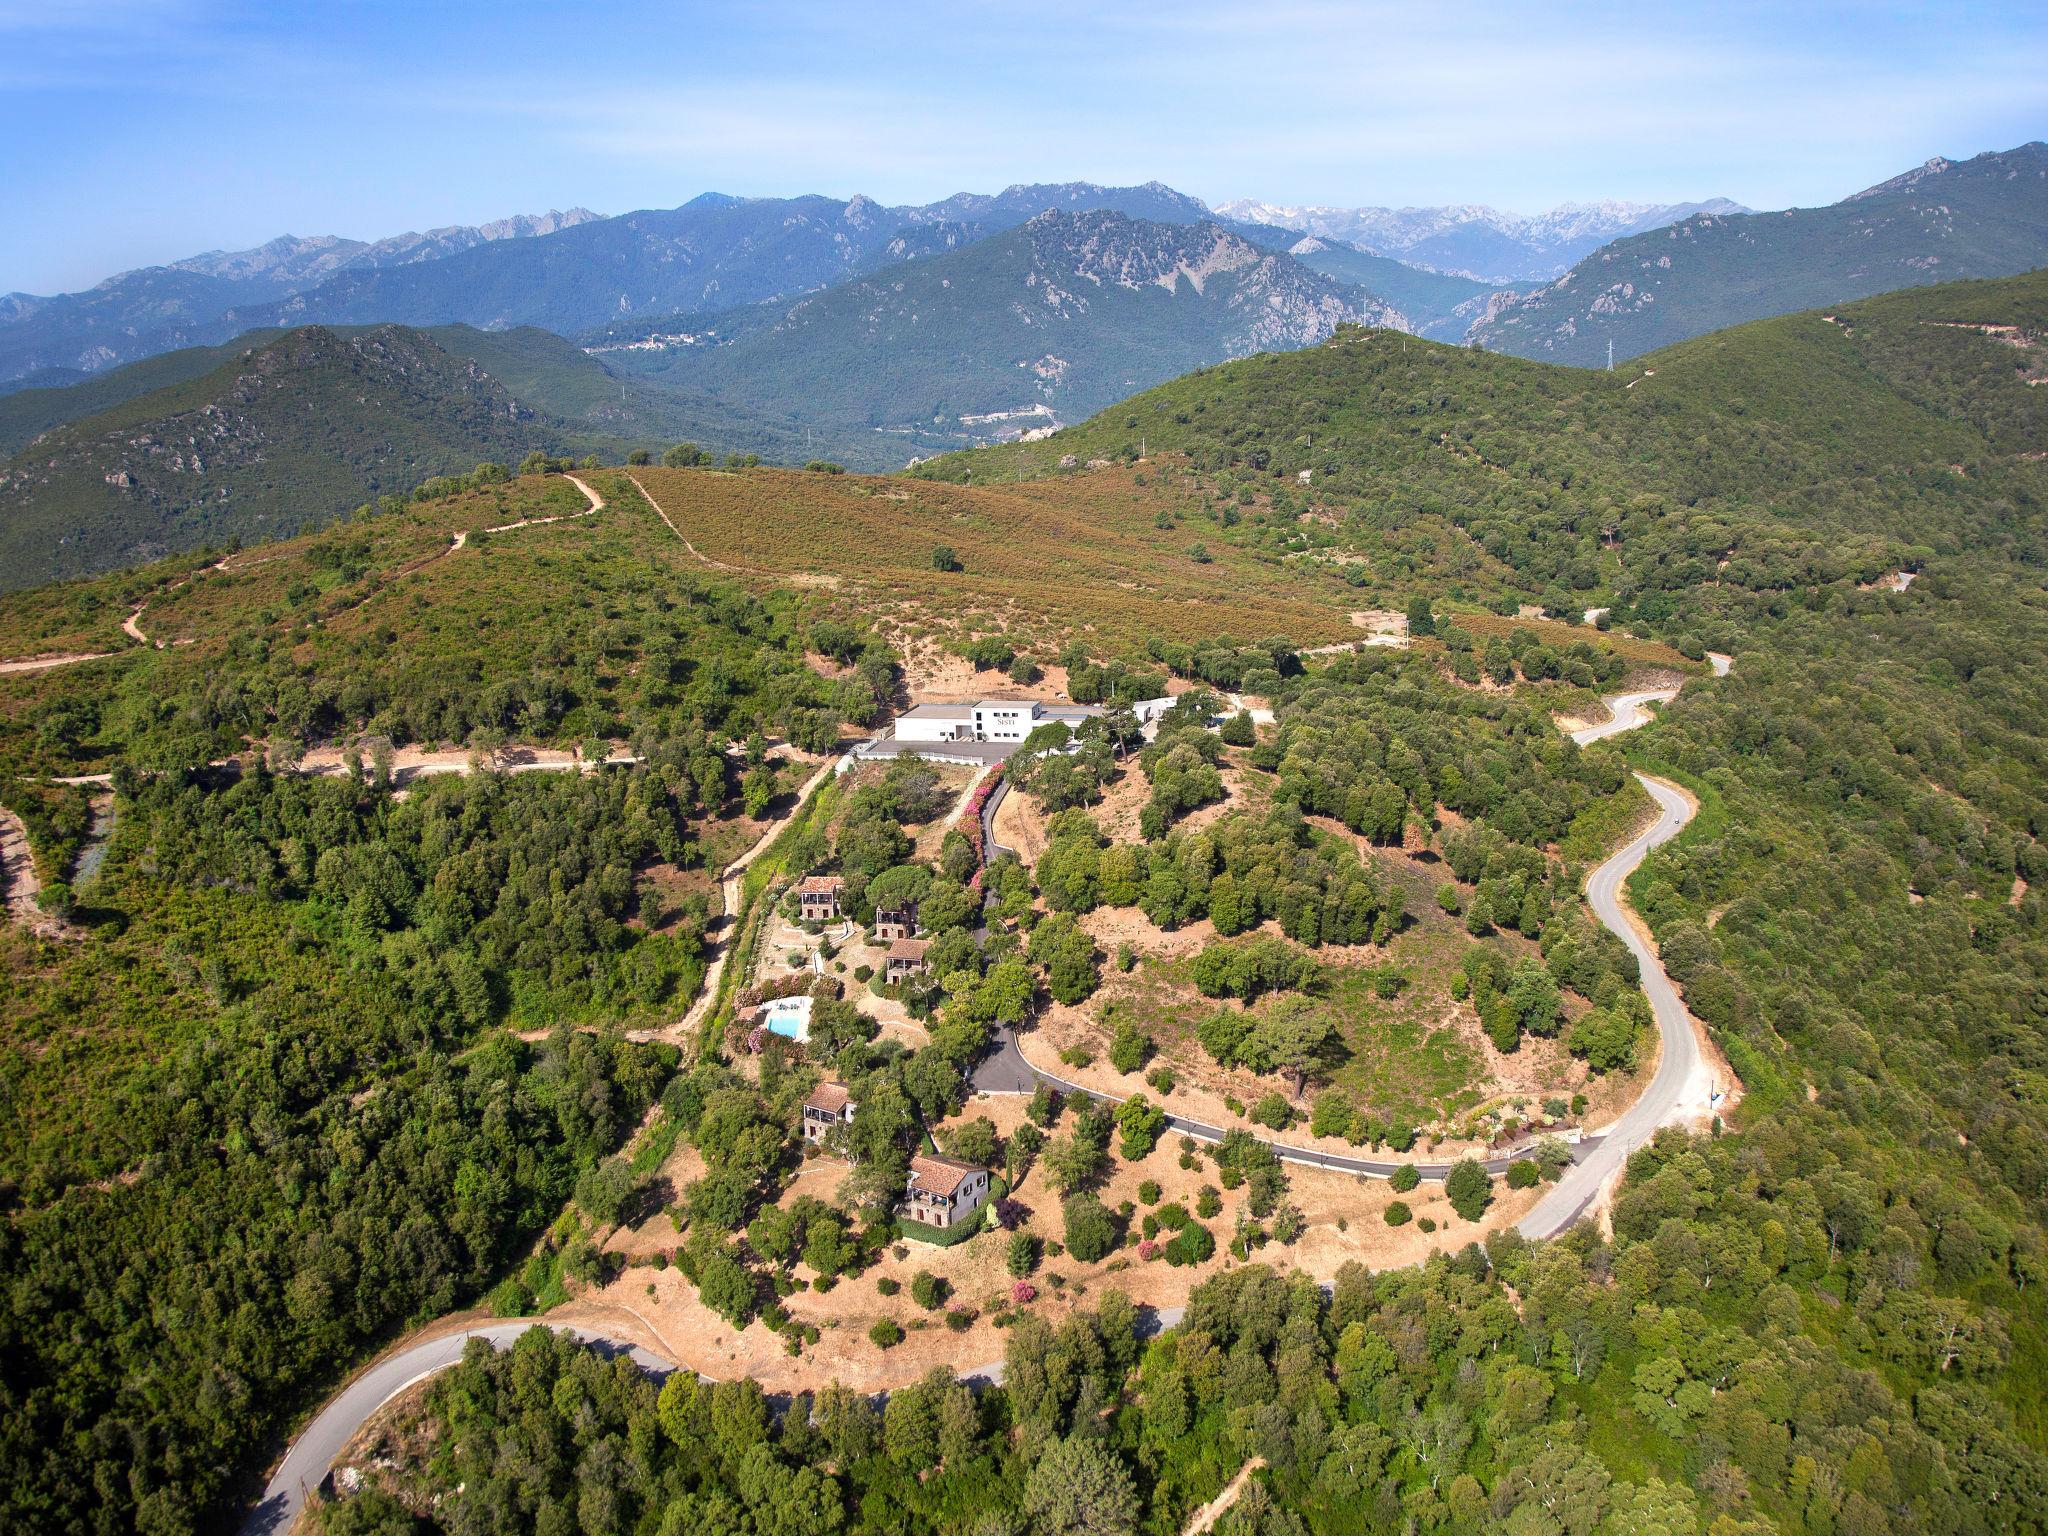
1560 636
1343 1215
1071 556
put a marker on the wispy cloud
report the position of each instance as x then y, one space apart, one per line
195 122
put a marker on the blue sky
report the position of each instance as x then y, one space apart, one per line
134 131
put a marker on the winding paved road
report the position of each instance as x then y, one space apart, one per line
306 1464
1005 1070
1680 1059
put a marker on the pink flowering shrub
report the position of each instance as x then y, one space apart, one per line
1148 1249
1023 1291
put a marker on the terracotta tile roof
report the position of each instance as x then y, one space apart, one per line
940 1176
909 949
820 885
830 1098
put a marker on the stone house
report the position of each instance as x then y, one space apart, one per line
896 922
943 1192
829 1105
906 958
818 897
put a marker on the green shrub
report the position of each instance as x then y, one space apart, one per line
1404 1179
1274 1112
1523 1173
1129 1047
1398 1214
1193 1244
1469 1189
1090 1226
1333 1115
886 1334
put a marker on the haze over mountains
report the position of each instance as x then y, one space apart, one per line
1983 217
1471 240
61 339
1044 323
816 327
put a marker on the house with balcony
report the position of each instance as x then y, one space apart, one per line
906 958
893 923
818 897
829 1107
943 1192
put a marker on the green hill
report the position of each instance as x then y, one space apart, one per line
1741 447
1986 217
267 1056
280 431
1046 322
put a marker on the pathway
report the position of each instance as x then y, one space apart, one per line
1680 1062
18 878
695 553
730 895
45 663
1679 1088
131 626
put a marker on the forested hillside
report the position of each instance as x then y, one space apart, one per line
266 1099
274 1102
278 432
1942 222
1046 322
1809 449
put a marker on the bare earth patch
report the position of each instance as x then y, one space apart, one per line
1344 1222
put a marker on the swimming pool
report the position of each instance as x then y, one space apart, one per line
789 1017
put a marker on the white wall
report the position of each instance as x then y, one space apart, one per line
1004 722
911 728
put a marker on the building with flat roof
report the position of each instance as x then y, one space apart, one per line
981 731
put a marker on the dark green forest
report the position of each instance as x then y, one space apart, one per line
269 1113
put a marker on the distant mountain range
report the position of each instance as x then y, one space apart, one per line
565 272
1046 322
1436 304
245 393
291 259
575 271
48 342
1984 217
1474 241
